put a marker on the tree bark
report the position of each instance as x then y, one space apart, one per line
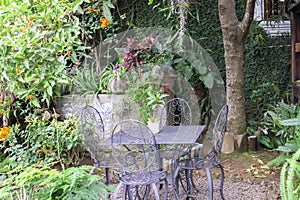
234 36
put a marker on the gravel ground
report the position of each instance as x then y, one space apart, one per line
237 188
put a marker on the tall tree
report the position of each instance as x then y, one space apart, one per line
234 36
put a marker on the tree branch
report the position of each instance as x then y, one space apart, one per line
248 17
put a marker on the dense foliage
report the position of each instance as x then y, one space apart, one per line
267 75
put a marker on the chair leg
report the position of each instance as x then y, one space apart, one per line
128 189
193 183
210 184
155 190
188 183
222 181
176 183
107 181
117 190
166 189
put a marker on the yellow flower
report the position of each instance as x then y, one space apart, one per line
4 132
187 5
18 71
104 22
90 9
41 150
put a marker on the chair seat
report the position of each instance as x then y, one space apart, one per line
145 178
197 163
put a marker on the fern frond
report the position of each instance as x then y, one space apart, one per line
277 161
283 187
291 178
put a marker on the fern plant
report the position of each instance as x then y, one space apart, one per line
72 183
290 178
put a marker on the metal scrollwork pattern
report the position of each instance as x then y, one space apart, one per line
94 135
134 149
176 112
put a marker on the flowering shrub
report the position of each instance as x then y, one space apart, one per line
44 141
36 41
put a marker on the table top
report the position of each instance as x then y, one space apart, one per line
179 134
167 135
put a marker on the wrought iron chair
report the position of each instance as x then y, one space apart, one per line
176 112
202 163
134 149
93 130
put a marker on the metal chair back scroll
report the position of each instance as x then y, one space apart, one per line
134 149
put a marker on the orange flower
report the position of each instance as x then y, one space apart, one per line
104 22
4 132
68 53
31 18
30 97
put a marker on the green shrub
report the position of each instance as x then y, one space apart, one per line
72 183
43 141
278 126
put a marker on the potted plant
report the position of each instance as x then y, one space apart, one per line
144 98
114 79
155 101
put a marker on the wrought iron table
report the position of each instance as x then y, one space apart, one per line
179 134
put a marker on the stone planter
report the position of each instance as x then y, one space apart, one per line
252 142
110 107
228 143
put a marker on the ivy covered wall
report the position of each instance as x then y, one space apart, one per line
267 60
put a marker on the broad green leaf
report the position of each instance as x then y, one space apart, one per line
208 80
106 10
266 141
35 102
76 6
49 91
290 122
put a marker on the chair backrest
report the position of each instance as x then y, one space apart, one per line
93 130
219 131
133 146
176 112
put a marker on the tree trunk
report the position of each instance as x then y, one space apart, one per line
234 36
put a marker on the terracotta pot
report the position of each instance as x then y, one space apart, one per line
166 88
